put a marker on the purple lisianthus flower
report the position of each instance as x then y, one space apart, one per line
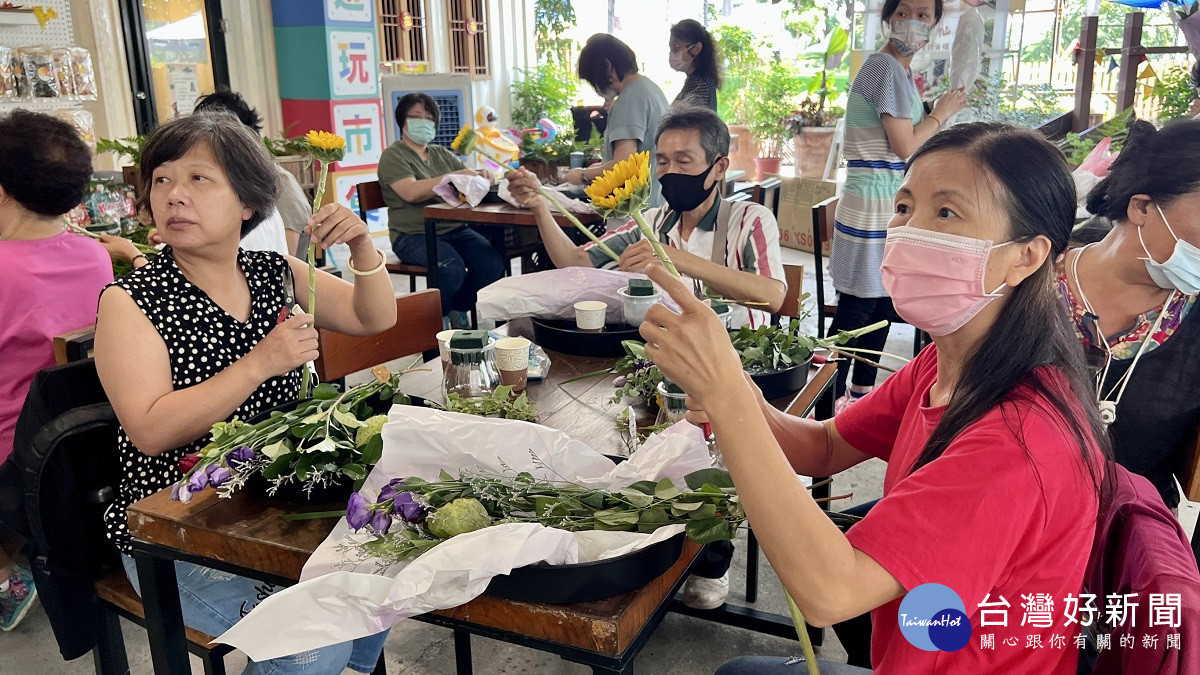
240 456
619 381
358 512
218 475
389 490
381 521
408 508
175 491
198 481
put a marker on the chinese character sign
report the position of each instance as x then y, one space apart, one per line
361 125
353 66
349 10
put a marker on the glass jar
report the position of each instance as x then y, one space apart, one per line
472 372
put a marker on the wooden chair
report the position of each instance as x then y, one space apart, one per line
823 217
766 192
793 275
418 321
370 197
74 345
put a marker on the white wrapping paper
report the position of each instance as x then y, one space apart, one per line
569 203
454 186
552 294
966 56
340 599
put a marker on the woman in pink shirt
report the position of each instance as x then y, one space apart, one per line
50 283
996 456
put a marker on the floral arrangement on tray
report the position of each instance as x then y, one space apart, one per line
430 512
770 348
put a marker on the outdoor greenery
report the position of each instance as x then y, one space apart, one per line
740 50
770 98
1110 31
1077 146
1174 91
121 147
546 88
827 53
552 18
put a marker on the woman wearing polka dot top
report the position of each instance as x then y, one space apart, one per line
194 338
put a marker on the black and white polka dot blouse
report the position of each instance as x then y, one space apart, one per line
202 340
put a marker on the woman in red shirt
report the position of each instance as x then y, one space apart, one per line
992 436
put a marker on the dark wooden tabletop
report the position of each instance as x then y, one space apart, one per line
246 530
498 214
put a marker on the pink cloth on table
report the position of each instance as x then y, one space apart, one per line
47 287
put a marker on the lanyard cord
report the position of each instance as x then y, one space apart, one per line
1125 378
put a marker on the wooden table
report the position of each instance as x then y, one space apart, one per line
245 536
498 215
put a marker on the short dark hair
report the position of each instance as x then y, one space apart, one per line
601 51
407 101
46 166
714 134
890 6
231 101
708 62
1158 163
241 154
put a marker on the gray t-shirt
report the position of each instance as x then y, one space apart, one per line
635 115
294 206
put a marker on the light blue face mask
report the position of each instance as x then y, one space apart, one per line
420 131
1181 271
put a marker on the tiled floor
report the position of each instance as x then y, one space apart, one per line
682 645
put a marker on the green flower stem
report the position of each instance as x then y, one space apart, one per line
636 214
307 377
810 656
578 225
318 515
142 248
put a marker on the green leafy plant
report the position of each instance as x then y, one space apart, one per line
1175 93
500 404
546 88
284 145
810 114
123 147
773 348
828 53
1077 146
770 99
552 18
740 49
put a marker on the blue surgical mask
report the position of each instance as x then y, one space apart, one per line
1181 271
420 131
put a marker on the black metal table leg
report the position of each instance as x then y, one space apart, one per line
431 256
462 652
751 566
627 669
109 655
164 617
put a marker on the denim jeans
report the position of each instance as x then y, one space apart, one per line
466 263
212 601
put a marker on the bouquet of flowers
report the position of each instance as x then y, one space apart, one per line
324 440
430 512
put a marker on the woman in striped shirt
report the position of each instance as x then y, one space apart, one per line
885 124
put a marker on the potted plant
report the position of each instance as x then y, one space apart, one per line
739 49
813 124
292 154
122 147
770 99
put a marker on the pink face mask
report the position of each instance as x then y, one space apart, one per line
935 280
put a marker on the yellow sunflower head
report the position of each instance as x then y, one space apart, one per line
464 142
623 188
325 146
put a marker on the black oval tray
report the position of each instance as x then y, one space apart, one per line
562 335
781 383
293 491
585 582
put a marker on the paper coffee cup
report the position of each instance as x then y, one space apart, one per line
589 314
443 338
512 353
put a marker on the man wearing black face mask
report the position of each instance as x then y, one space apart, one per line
733 247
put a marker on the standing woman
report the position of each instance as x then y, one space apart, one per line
885 124
610 66
694 54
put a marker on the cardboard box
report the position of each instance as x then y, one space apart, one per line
796 199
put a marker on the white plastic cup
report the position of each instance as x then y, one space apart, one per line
589 314
635 306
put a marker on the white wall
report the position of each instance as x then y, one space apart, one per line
250 46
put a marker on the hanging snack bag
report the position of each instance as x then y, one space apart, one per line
39 68
84 76
8 80
83 122
62 70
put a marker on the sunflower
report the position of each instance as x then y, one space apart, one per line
623 189
325 146
464 142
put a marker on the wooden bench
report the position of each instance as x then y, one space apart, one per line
118 596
